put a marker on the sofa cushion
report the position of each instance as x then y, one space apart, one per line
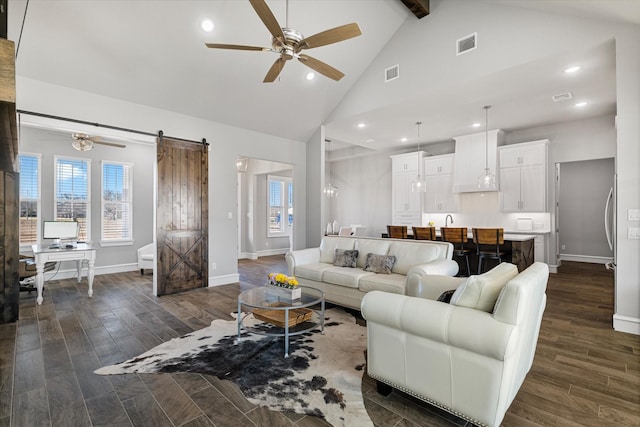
379 263
344 276
373 246
312 271
393 283
345 258
329 245
410 254
481 291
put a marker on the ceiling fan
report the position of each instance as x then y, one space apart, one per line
84 142
289 43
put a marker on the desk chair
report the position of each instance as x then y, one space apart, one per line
457 236
488 241
27 272
424 233
397 231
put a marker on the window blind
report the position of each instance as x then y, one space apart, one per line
116 201
72 193
29 167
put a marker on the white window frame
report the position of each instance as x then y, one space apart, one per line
116 242
56 159
284 182
38 200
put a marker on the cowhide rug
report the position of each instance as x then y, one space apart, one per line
322 375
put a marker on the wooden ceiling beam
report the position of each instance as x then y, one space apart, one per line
420 8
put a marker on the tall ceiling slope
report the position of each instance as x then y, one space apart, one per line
153 53
516 67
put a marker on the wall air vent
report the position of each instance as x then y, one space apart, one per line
466 44
562 97
391 73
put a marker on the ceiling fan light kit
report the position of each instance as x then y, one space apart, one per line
289 43
84 142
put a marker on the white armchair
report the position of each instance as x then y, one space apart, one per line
146 257
461 356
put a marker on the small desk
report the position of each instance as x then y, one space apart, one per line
81 252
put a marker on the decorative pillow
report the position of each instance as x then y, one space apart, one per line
379 263
345 258
481 291
446 296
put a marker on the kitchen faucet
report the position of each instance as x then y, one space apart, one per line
446 220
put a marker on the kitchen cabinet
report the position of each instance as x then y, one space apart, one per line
523 173
473 153
406 206
438 172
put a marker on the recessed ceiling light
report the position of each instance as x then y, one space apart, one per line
207 25
572 69
311 75
361 125
403 140
581 104
476 125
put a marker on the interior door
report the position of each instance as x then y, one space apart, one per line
182 216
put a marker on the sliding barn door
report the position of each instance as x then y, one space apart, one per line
182 216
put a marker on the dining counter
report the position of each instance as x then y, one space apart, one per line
519 250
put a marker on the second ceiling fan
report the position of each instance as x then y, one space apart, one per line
289 43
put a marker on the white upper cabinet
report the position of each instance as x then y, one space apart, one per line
471 158
523 173
439 176
406 206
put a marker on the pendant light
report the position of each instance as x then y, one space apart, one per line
488 180
419 185
330 190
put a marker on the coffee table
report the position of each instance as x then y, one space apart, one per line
288 317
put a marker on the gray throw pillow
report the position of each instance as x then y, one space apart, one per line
345 258
379 263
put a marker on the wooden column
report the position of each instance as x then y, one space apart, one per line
9 187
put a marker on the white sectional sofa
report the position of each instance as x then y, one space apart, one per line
470 356
346 285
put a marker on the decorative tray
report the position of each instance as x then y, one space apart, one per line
276 317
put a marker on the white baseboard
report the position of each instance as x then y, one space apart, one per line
73 273
585 258
267 252
225 279
630 325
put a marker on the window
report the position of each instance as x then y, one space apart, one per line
29 167
116 202
72 193
280 207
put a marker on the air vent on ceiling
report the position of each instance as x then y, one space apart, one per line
466 44
562 97
391 73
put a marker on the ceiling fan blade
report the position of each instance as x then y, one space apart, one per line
270 21
274 71
321 67
111 144
333 35
234 46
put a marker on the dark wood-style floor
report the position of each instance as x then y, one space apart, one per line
584 373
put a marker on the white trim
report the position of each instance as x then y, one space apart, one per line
630 325
108 243
266 252
73 273
225 279
585 258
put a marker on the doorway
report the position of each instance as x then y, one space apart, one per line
265 208
582 193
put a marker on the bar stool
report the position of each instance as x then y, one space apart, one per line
457 236
397 231
488 237
424 233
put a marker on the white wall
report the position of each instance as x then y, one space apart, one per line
227 143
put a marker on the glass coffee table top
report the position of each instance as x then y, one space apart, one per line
287 317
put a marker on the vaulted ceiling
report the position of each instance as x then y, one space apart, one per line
153 53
